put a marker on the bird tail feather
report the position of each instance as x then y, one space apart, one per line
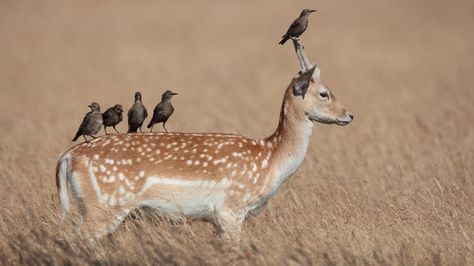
76 137
285 38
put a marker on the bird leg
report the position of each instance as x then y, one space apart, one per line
84 136
105 129
164 123
140 129
151 129
295 38
92 136
116 130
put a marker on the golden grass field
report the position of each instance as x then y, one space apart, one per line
395 187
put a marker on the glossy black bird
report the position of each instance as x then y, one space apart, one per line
163 110
112 117
91 123
298 26
136 114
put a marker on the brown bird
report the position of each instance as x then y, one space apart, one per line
112 117
163 110
298 26
91 123
136 114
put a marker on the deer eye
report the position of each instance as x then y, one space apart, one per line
324 95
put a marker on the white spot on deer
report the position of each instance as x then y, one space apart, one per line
141 174
264 163
109 161
102 168
223 160
121 190
96 156
114 168
204 164
121 176
111 179
168 146
189 162
254 167
196 162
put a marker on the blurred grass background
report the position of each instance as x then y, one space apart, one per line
393 187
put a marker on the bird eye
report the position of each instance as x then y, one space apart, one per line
323 95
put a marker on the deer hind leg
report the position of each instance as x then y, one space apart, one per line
229 224
101 223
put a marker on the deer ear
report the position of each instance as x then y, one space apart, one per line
301 85
317 73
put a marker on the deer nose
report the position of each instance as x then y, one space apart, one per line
350 115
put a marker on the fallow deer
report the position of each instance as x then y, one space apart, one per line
221 177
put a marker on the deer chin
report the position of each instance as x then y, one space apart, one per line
314 117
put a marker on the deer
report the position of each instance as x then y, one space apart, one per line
222 178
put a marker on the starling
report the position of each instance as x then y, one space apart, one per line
136 114
163 110
298 26
112 117
91 123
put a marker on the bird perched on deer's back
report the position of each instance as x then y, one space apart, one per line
298 26
112 117
163 110
91 123
136 114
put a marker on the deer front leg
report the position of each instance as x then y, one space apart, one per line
229 224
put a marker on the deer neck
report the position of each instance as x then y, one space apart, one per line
291 139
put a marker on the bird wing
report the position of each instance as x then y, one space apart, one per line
293 26
159 112
85 120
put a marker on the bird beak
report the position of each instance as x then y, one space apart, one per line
90 106
174 93
313 10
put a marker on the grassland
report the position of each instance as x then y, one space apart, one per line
395 187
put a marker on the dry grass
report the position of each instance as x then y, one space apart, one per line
394 187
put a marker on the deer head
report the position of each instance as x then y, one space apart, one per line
314 98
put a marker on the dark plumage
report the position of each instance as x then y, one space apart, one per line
163 110
112 117
91 123
136 114
298 26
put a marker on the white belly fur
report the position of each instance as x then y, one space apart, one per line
178 197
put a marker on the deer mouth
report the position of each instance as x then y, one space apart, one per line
343 121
